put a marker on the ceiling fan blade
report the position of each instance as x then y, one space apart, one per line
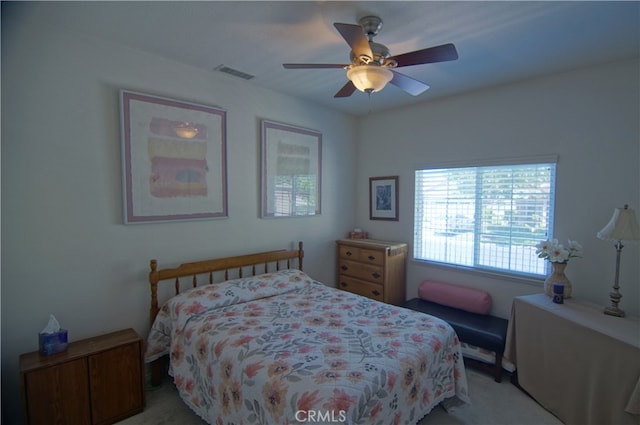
408 84
346 90
354 36
313 65
443 53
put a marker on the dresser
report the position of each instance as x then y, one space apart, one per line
373 268
97 380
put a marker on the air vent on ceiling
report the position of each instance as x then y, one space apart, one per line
234 72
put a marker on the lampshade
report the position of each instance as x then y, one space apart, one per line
622 226
369 78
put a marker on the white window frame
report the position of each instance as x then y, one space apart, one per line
470 243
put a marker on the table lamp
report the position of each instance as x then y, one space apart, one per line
622 226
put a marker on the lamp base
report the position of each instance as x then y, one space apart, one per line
614 311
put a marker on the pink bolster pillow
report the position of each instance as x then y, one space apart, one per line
468 299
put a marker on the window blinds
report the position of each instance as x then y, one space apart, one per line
488 217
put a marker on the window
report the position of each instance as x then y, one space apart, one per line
485 217
295 195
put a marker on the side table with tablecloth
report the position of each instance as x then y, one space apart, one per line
580 364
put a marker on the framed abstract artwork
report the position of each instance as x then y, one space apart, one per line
383 198
291 161
173 159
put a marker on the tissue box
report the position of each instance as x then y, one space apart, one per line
53 343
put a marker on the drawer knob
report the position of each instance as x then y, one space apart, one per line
375 292
376 275
343 267
371 258
343 284
349 253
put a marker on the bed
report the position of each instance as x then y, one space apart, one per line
263 343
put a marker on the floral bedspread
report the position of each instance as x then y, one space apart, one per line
281 348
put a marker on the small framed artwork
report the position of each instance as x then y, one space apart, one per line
291 161
174 159
383 198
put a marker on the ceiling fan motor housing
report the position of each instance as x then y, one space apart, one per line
380 56
371 26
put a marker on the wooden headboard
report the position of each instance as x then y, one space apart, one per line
256 263
229 267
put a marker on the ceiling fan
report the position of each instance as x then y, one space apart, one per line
372 65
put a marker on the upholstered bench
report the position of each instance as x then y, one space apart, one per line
475 327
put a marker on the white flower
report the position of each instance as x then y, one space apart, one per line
576 248
559 254
544 246
556 252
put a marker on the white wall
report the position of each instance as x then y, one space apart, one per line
66 251
64 248
588 117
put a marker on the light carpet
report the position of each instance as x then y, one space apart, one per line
492 403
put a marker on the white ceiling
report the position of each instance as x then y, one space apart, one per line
497 42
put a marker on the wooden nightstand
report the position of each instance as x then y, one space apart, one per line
375 269
97 380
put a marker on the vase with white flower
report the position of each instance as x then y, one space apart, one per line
558 255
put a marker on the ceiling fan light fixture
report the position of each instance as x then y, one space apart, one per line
186 130
369 78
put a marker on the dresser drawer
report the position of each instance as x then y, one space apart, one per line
369 256
368 272
369 290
